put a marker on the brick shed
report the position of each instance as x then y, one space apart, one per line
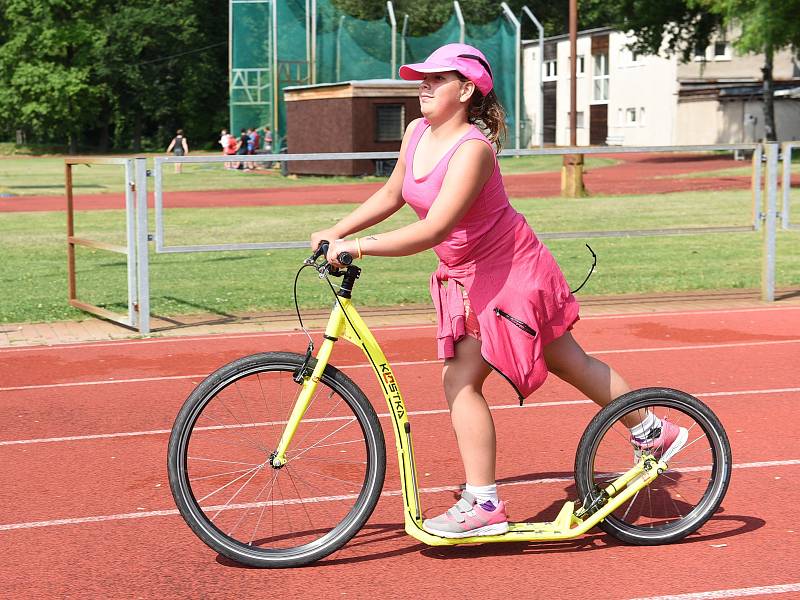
351 116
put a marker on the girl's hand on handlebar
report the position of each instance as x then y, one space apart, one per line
319 236
336 247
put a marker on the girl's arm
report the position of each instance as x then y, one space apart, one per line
469 169
381 205
171 145
185 145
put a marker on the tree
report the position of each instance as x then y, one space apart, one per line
157 80
47 83
103 73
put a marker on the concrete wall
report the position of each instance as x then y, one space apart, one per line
648 86
739 66
531 91
709 121
584 91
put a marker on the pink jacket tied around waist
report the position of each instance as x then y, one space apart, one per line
514 284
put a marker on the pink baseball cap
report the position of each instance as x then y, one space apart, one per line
467 60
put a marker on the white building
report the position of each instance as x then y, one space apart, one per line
635 100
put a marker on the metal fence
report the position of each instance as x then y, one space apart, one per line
764 218
786 185
135 248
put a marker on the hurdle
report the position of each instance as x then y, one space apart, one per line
135 249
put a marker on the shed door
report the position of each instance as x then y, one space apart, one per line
598 124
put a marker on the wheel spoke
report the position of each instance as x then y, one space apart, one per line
334 432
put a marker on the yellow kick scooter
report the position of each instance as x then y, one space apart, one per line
278 459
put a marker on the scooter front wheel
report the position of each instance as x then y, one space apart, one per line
221 473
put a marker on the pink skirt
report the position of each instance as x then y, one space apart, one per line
550 331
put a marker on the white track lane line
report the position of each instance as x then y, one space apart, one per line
436 411
407 363
733 593
237 336
429 490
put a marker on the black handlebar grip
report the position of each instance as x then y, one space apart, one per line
344 257
322 250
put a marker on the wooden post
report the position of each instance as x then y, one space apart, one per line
572 176
70 233
572 166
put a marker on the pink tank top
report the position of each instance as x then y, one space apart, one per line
490 211
515 286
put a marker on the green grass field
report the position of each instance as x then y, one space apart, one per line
35 176
33 276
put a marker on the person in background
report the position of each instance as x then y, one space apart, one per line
255 138
241 148
249 142
179 147
267 139
267 144
225 141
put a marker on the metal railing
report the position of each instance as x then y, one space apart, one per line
764 189
135 248
786 184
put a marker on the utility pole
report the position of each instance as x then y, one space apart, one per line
572 168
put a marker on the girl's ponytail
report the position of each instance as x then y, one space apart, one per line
487 112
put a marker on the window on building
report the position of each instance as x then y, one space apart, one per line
628 57
699 53
580 66
722 50
389 122
630 116
580 123
600 78
550 69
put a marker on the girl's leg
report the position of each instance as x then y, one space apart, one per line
463 378
600 383
566 359
479 511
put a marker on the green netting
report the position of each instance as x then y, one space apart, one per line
349 49
293 59
345 49
251 77
497 40
419 48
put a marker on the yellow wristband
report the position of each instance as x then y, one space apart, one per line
358 245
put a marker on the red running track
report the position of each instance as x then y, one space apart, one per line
634 174
85 509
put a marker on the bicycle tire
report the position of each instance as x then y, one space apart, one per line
664 531
223 385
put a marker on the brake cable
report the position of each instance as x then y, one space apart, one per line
323 271
591 270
